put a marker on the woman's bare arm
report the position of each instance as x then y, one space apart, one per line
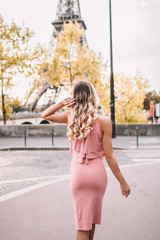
49 113
108 150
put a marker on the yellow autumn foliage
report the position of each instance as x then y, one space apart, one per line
15 57
129 96
71 59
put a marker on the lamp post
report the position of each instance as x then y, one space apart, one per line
112 97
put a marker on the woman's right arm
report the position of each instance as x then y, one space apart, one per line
108 150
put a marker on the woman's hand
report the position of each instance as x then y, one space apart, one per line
68 102
125 188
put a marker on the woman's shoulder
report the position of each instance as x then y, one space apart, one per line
103 122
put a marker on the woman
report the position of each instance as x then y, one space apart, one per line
90 140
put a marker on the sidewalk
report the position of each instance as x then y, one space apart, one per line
46 142
46 213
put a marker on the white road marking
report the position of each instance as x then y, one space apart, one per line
145 147
57 180
34 187
27 179
149 140
135 165
133 154
146 160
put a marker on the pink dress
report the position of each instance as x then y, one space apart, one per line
88 178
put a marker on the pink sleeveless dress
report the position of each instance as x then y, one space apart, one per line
88 178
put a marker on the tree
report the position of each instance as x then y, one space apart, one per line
11 105
8 106
129 93
16 104
70 59
146 103
15 57
151 96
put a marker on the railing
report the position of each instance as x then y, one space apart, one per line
25 137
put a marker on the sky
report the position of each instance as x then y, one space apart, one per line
135 30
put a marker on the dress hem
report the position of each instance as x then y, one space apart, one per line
82 229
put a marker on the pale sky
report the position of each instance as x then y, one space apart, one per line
136 35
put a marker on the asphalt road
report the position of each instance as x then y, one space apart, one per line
46 212
20 169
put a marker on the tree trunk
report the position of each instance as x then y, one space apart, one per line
3 107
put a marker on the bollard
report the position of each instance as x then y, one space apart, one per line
52 139
25 137
137 137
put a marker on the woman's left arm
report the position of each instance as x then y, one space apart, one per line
50 115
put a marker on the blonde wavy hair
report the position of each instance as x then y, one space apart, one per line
83 112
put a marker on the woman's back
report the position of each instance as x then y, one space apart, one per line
88 178
90 147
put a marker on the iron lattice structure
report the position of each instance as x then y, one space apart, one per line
67 10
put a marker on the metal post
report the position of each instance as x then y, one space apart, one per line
137 137
52 139
153 112
112 98
25 137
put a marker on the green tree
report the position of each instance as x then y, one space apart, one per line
151 97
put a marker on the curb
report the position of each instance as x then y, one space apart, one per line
35 149
44 148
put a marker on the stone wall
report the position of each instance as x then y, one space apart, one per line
128 129
61 130
33 130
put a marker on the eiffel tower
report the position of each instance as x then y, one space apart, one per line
67 10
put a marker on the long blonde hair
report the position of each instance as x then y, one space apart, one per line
83 112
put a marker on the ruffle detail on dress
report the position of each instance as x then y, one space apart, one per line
83 157
88 148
